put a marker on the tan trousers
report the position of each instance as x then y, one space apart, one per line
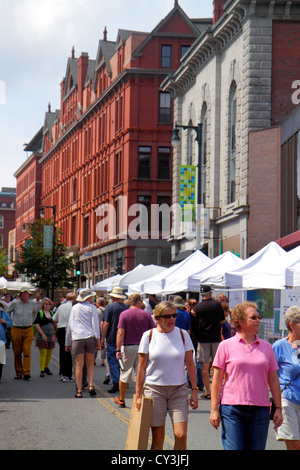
21 343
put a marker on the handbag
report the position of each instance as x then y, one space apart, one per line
273 407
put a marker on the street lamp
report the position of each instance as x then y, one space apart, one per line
175 140
42 215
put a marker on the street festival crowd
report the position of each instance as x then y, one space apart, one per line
173 351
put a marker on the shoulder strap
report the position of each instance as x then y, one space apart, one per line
182 335
150 335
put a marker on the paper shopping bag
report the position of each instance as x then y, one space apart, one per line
139 425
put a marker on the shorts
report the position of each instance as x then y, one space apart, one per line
172 399
85 345
206 352
131 361
289 430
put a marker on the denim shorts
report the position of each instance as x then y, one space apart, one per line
244 427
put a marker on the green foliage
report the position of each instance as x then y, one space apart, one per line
3 262
37 265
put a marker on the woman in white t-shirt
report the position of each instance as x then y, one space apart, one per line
163 354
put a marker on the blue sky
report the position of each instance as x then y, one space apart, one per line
37 37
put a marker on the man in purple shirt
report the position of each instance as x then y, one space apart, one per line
133 322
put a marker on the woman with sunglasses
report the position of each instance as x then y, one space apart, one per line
163 354
245 368
287 353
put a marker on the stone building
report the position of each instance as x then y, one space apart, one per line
236 79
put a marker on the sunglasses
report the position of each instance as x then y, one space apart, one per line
168 316
255 317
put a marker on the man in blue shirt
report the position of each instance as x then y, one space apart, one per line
183 319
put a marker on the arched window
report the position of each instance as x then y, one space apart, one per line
232 142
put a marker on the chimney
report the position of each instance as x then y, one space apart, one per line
83 62
105 34
218 9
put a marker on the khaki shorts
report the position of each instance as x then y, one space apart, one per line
172 399
86 345
290 428
130 358
206 352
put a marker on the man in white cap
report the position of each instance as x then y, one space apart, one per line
109 331
83 337
23 313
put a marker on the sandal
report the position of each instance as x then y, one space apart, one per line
78 395
206 395
92 391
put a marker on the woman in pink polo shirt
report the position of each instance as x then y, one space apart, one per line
246 366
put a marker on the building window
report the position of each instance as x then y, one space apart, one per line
166 56
1 240
1 221
164 163
165 111
145 162
183 50
118 168
232 142
86 231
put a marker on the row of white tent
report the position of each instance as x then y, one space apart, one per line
270 268
14 286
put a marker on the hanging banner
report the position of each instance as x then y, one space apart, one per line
187 192
48 239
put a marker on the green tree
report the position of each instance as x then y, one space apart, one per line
3 262
38 264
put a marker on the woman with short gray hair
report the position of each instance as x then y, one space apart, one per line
287 354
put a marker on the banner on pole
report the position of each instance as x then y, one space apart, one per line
48 239
187 192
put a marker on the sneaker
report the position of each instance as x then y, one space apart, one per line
42 374
114 388
27 377
119 402
67 379
47 371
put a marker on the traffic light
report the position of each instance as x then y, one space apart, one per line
119 269
78 270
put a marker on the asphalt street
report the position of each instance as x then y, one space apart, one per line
43 414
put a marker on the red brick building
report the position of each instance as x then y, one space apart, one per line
108 147
29 187
7 215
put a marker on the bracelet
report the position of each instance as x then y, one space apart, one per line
118 350
278 408
195 389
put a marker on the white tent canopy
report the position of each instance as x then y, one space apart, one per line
214 273
156 284
263 270
139 273
107 284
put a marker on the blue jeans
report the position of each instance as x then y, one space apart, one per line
113 363
244 427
